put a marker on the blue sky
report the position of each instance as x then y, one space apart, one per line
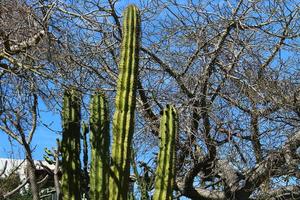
43 137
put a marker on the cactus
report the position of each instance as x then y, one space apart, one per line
123 123
165 171
49 157
85 131
100 140
70 145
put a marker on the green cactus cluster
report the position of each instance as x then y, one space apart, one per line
109 176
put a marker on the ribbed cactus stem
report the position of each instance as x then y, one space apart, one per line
123 123
85 131
70 145
165 171
99 140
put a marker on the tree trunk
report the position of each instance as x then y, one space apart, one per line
32 178
56 179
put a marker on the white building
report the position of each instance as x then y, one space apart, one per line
19 166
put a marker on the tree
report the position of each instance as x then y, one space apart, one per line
21 33
231 67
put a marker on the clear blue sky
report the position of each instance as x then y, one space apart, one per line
43 137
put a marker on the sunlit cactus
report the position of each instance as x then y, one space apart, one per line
165 171
123 123
99 140
70 145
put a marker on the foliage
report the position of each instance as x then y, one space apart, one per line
9 183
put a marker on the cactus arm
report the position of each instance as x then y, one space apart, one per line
48 152
70 146
99 140
165 172
123 123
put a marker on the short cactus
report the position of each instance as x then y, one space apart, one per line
165 171
99 140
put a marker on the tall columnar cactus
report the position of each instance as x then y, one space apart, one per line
70 145
99 140
123 123
165 172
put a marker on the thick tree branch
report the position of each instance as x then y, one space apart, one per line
34 118
287 193
200 193
275 160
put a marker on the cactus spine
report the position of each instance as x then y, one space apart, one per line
70 145
99 140
123 123
165 172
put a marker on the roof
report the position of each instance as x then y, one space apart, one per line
19 166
